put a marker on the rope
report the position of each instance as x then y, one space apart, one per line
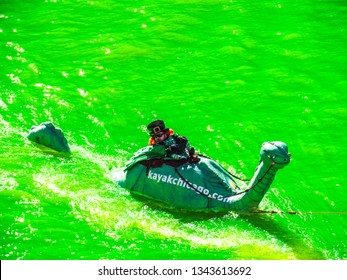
232 175
296 212
194 188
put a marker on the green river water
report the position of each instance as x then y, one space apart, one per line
227 74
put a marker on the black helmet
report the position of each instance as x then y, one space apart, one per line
156 127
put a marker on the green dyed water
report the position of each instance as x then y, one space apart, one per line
229 75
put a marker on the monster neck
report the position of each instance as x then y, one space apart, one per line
258 186
260 183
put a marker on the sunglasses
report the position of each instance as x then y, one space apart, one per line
156 129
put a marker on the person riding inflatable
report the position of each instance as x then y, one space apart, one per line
176 147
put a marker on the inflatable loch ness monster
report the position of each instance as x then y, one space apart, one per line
196 183
200 183
46 134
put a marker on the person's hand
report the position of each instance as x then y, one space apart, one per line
194 159
172 148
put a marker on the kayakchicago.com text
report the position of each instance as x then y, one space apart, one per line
182 183
119 271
